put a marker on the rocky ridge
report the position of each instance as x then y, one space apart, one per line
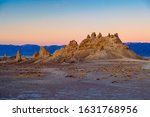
95 47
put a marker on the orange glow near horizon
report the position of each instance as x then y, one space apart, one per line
62 39
57 23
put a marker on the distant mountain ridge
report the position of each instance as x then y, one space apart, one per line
142 49
26 50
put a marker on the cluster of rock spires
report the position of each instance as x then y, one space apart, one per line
93 47
41 54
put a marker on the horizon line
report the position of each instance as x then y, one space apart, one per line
56 44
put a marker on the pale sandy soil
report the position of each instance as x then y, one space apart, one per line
103 79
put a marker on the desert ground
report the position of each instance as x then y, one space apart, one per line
101 79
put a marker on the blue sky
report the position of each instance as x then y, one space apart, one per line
58 21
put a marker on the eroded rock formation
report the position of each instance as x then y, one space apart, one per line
43 52
95 47
93 35
18 56
35 55
99 35
5 57
65 53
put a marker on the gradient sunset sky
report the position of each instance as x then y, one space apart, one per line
48 22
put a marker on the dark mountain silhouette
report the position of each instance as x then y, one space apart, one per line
26 50
142 49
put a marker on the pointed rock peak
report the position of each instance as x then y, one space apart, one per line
117 39
73 43
5 57
112 36
35 55
99 35
88 37
18 56
109 35
116 35
93 35
43 52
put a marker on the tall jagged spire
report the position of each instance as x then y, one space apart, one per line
93 35
99 35
18 56
88 37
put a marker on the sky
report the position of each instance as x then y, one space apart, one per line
49 22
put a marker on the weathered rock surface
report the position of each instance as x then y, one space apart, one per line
43 52
35 55
99 35
18 56
93 35
65 53
5 57
95 47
